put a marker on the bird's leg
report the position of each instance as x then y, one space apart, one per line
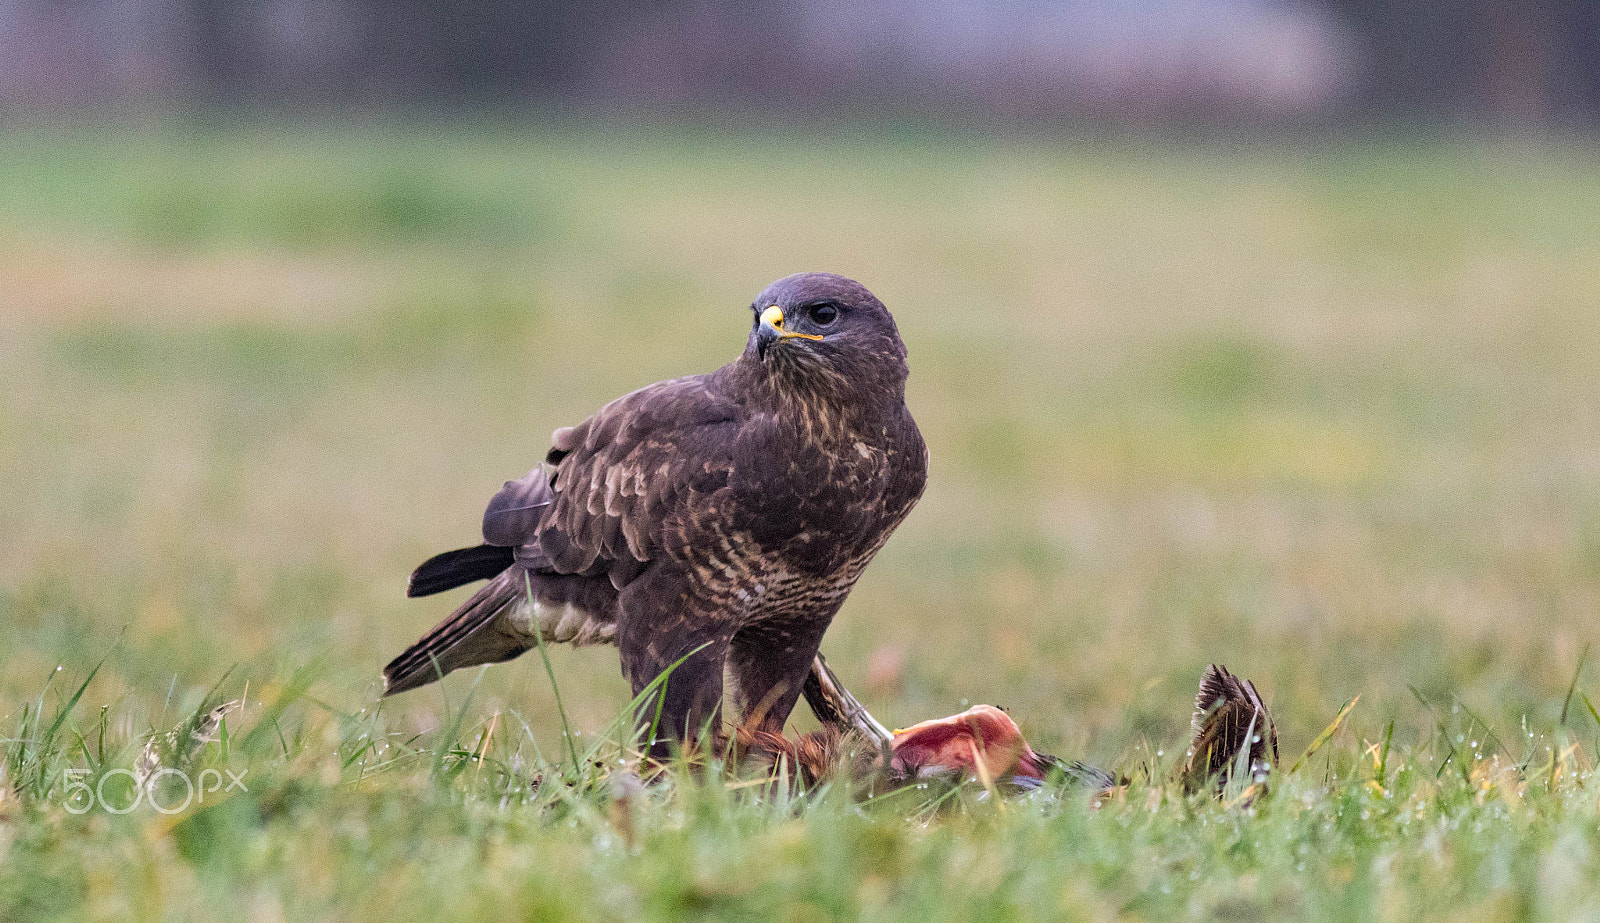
686 703
688 700
835 707
768 666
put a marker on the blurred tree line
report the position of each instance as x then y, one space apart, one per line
1517 60
1228 61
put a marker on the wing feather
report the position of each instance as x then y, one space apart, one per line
513 515
619 474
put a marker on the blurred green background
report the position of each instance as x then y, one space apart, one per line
1323 412
1256 332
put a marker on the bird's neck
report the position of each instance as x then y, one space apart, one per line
822 395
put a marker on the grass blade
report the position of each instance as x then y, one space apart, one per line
1489 736
1577 671
1326 735
544 654
61 715
624 716
447 741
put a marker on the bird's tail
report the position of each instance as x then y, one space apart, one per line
1229 718
455 568
481 631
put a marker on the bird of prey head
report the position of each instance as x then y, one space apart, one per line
818 329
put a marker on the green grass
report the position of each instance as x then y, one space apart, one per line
1327 416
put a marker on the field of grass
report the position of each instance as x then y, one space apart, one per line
1328 415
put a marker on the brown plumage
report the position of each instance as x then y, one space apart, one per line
1229 716
719 519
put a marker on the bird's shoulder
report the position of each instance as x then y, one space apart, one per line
620 473
668 410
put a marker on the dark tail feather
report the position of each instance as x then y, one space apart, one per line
1229 717
475 633
1082 775
455 568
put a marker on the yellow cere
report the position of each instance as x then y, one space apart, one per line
773 317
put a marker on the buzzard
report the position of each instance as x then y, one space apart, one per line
718 520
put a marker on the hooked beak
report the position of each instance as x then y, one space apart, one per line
771 330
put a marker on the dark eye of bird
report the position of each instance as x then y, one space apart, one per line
824 314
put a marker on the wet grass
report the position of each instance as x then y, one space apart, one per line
1325 416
